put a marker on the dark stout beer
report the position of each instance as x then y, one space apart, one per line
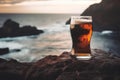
81 32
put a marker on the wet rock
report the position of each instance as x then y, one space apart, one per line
4 51
15 50
11 28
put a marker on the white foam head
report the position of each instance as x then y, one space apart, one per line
80 19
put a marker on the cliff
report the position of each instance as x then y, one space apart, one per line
105 15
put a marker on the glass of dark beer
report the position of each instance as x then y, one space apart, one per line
81 32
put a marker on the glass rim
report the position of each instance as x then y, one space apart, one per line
80 19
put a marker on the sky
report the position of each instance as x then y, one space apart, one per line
45 6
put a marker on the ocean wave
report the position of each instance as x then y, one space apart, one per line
11 45
106 32
53 42
56 27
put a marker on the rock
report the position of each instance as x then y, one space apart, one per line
105 15
10 76
4 51
13 70
11 28
15 50
63 67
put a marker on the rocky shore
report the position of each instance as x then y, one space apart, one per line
102 66
11 28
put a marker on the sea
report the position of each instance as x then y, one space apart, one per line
55 40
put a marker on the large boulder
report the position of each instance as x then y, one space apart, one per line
11 28
64 67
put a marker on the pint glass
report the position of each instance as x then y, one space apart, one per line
81 32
